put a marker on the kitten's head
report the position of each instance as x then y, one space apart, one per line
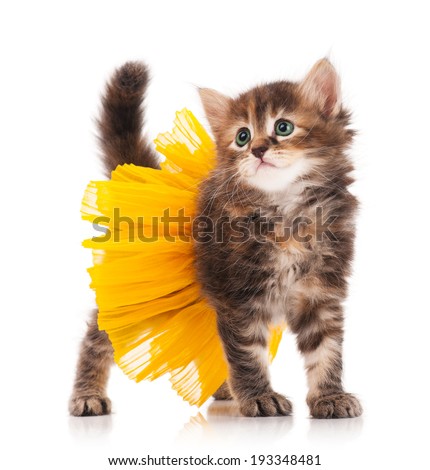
276 133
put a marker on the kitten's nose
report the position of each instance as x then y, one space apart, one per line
259 152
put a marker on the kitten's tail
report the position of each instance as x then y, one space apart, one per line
121 119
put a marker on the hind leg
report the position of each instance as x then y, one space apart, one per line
95 359
223 393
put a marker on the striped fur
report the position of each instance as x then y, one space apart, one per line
121 141
121 119
300 277
95 359
283 269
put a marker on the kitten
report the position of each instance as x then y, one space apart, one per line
279 195
279 241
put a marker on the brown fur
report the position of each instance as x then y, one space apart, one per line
281 270
223 393
121 141
121 119
96 356
260 280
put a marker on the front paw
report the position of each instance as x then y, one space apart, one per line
94 405
266 404
340 405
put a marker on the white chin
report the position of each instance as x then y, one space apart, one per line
272 179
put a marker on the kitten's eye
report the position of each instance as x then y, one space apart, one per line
243 137
284 128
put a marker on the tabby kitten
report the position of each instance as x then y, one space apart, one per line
275 235
281 182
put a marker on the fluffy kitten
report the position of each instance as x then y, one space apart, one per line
275 240
279 195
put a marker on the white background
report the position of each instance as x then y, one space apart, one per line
55 58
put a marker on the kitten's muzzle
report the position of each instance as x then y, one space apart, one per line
259 152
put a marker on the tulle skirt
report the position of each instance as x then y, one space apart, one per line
149 300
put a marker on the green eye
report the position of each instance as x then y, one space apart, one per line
284 128
243 137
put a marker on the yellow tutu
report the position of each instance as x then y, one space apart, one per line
148 297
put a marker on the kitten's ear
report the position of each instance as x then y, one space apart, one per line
321 86
215 105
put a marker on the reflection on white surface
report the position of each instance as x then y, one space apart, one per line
90 426
344 429
223 422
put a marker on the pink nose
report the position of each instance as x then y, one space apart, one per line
259 152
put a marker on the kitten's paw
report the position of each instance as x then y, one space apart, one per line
341 405
267 404
223 393
94 405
